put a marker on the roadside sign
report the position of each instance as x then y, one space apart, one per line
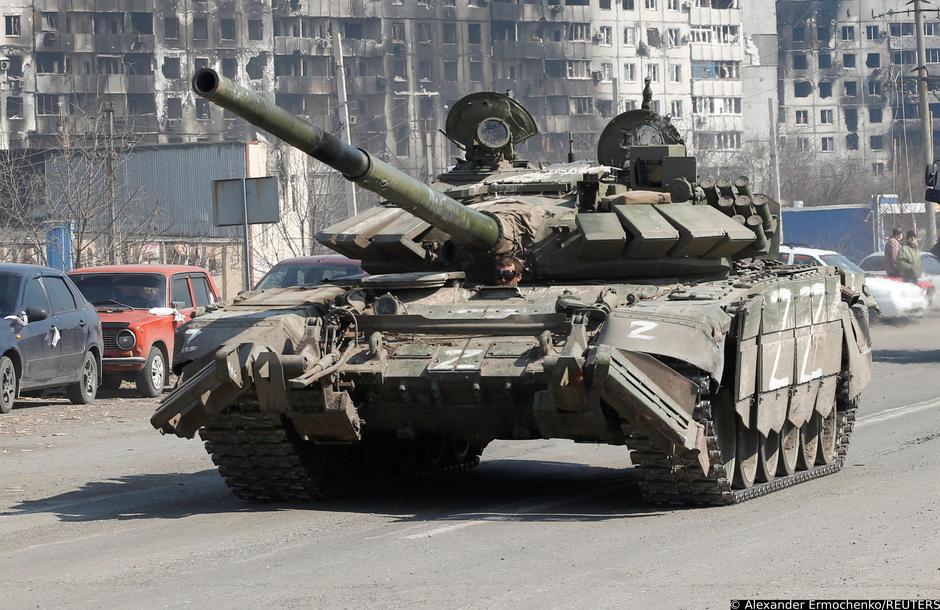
260 200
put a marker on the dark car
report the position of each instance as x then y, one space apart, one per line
308 271
54 337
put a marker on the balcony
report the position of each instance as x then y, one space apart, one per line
54 83
304 85
290 45
54 42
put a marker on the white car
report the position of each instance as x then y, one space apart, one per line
896 299
874 265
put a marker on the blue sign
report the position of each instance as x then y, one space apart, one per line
59 247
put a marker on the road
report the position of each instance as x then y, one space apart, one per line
97 510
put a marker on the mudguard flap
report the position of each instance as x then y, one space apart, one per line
637 398
857 350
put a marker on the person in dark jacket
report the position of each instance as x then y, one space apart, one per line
892 250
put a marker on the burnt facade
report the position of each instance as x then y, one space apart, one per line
847 87
573 63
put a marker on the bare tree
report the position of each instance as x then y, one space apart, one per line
83 183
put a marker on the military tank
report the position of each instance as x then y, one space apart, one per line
620 301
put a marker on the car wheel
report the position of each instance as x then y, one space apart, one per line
152 378
83 392
7 384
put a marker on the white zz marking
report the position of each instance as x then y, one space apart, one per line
775 382
819 291
453 356
804 376
785 295
639 328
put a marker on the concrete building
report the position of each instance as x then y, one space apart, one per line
847 89
574 63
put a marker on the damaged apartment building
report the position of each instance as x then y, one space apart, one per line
847 87
573 63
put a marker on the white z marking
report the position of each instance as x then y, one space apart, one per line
452 358
777 383
639 328
785 295
815 374
819 291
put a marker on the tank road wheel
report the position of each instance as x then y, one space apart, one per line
725 418
748 456
434 448
769 456
828 435
406 455
789 449
8 384
809 442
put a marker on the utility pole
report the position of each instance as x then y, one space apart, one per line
412 102
351 206
112 186
774 148
926 124
429 148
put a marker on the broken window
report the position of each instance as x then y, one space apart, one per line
450 71
476 71
825 61
802 88
47 105
825 89
875 115
200 28
109 64
424 32
579 32
12 25
50 22
822 34
851 141
425 70
227 29
171 67
582 105
799 61
109 23
174 108
851 120
874 87
255 29
848 60
474 33
171 28
203 112
141 104
200 63
877 142
139 63
851 88
51 63
398 31
142 23
799 34
229 67
14 108
873 60
450 33
255 67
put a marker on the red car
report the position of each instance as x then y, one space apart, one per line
140 307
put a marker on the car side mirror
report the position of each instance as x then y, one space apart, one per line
36 314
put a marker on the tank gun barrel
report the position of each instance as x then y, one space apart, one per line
465 225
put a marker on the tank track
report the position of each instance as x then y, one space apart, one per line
672 480
263 459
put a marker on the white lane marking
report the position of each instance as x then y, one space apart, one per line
887 414
442 530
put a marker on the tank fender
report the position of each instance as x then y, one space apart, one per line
856 350
690 333
636 397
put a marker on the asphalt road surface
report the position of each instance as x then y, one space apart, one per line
98 510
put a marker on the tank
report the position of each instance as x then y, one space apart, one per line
623 300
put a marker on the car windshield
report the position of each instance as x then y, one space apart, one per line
300 274
122 290
837 260
9 287
931 264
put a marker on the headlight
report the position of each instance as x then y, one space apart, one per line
126 340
